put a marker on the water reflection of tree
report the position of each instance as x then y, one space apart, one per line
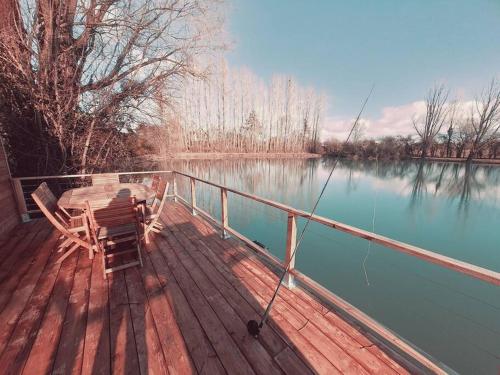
467 186
294 181
452 180
419 185
291 181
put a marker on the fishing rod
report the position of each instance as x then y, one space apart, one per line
253 326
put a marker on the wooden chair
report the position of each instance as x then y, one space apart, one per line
152 213
105 178
71 227
116 229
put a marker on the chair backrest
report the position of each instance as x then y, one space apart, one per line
105 178
47 203
44 196
160 199
117 212
161 191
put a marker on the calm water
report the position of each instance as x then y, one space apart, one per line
448 208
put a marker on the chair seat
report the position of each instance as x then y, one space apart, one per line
119 230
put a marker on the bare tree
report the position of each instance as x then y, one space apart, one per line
435 116
82 66
452 119
485 119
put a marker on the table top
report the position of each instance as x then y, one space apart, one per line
76 198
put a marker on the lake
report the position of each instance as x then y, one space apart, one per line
452 209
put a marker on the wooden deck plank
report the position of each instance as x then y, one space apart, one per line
364 342
150 353
169 303
236 260
244 309
96 352
32 259
364 357
44 349
229 354
281 321
340 338
258 357
27 291
342 360
10 240
25 326
69 355
290 363
22 254
124 358
305 304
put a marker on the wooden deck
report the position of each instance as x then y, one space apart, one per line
184 312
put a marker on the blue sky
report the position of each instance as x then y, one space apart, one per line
343 47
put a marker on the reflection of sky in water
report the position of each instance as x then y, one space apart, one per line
482 183
443 207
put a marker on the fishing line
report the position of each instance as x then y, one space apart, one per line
373 230
253 326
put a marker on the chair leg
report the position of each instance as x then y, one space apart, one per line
89 239
103 257
64 244
139 250
68 253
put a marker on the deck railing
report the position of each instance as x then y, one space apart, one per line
25 185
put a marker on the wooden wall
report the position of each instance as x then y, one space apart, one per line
9 215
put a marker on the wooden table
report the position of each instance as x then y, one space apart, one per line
76 198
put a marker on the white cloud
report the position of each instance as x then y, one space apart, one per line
392 121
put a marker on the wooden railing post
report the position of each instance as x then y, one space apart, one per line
193 196
291 241
21 202
224 216
174 185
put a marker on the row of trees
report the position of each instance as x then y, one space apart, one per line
233 110
447 129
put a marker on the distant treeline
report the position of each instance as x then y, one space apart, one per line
406 147
447 129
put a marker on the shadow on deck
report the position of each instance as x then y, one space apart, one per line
184 312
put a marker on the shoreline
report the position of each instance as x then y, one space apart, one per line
291 155
231 155
459 160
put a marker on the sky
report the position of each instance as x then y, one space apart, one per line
342 48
